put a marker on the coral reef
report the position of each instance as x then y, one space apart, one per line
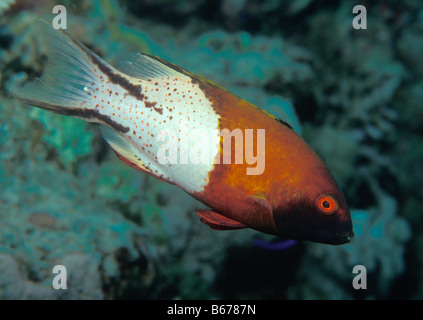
84 282
5 5
48 224
14 286
354 95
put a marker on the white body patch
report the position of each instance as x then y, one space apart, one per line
171 106
134 105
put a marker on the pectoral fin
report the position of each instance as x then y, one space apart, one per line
218 222
258 193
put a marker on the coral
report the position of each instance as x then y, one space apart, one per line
5 5
411 43
83 281
47 222
117 182
341 161
14 286
245 60
245 64
70 143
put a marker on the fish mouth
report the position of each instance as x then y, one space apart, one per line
335 238
347 235
344 237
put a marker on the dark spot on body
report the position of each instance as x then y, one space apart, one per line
153 106
133 89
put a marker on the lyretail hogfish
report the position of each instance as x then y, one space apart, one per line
179 128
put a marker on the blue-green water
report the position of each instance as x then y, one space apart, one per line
353 94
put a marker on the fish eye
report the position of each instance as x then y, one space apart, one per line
327 204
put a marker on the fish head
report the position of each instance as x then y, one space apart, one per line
315 210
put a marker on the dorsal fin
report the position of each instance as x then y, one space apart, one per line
284 122
278 119
142 66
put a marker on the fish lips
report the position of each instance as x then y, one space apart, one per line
301 227
321 236
324 236
324 233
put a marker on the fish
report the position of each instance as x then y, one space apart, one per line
249 168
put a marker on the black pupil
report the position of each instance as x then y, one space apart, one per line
326 204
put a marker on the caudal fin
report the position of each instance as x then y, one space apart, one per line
68 74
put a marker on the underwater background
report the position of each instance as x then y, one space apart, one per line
355 95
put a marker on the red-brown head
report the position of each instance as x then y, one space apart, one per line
313 209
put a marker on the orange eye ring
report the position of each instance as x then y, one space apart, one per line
327 204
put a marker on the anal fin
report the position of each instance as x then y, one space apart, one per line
218 222
129 154
136 165
123 148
